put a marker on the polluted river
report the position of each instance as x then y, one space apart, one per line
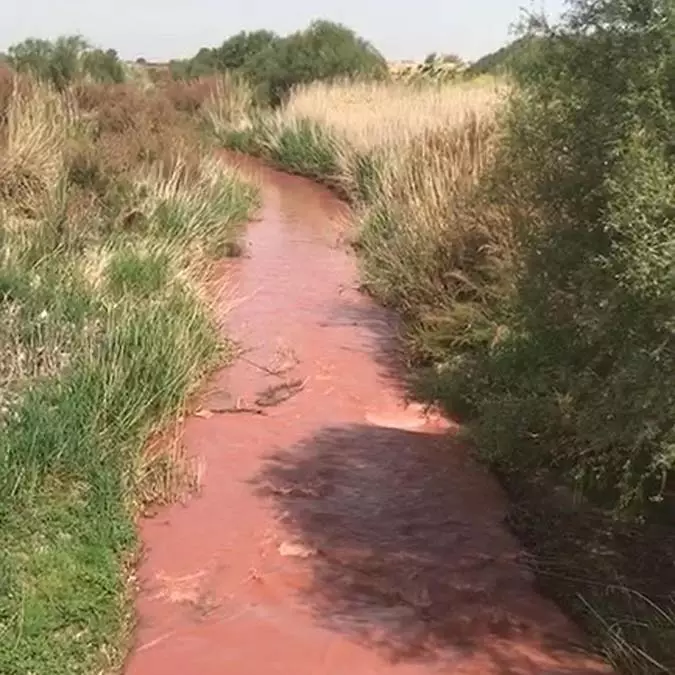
336 530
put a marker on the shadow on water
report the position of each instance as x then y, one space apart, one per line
411 556
383 343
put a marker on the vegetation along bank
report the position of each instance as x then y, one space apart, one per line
521 222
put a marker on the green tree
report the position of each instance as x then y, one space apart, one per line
241 48
66 62
233 55
33 56
65 59
323 51
503 59
103 66
205 62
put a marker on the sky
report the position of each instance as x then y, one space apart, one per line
159 30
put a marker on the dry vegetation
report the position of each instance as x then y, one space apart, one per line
111 208
376 115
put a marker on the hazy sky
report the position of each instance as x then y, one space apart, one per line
163 29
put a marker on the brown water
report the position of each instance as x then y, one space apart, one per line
342 532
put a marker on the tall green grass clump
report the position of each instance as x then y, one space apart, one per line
109 216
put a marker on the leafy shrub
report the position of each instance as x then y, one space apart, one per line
241 48
585 382
65 60
233 55
324 51
103 65
504 59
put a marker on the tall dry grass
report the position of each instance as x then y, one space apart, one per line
229 103
376 115
35 128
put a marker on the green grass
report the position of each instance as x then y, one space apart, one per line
100 346
306 149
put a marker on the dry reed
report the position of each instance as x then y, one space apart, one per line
373 115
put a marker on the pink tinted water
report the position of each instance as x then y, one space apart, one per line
343 532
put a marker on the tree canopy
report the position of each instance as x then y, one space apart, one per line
275 64
65 59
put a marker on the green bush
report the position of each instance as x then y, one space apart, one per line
233 55
241 48
66 59
323 51
103 66
584 382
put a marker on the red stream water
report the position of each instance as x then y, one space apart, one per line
343 532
